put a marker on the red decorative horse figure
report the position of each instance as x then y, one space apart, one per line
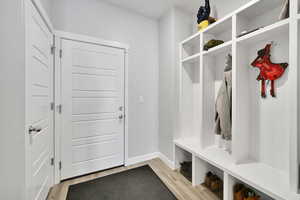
268 70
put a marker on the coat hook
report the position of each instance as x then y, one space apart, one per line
273 43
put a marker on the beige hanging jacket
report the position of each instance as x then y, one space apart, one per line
223 107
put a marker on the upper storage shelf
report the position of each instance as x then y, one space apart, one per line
190 47
191 59
279 28
258 15
221 30
218 49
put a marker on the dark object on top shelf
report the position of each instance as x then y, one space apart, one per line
212 43
186 170
212 20
214 184
268 70
203 16
203 12
248 32
241 192
285 11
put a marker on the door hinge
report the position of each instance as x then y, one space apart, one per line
59 109
52 161
53 50
59 165
52 106
60 53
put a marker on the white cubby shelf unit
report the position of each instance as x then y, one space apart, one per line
264 151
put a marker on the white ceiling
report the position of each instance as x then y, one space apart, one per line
156 8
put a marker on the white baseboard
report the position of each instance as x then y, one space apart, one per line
167 161
139 159
150 156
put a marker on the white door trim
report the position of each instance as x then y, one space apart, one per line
83 38
89 39
43 13
40 9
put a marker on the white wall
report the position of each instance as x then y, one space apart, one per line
225 7
166 84
174 26
12 105
95 18
47 5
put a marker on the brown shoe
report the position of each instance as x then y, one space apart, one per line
208 179
251 195
216 185
239 192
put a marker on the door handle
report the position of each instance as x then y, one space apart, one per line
34 130
121 117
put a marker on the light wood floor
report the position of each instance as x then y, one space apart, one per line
180 187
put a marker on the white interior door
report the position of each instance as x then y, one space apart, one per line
39 94
92 108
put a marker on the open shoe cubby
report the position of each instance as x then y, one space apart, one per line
182 156
201 168
232 181
265 138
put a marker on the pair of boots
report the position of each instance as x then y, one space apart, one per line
213 182
243 193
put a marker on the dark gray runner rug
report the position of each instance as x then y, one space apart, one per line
135 184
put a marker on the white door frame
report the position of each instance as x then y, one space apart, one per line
43 13
39 7
59 35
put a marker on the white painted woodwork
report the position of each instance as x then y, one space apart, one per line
295 95
228 187
181 156
92 101
191 47
265 137
39 93
200 168
258 14
221 30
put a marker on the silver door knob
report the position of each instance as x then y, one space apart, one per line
32 130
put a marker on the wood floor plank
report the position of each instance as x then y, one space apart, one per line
176 183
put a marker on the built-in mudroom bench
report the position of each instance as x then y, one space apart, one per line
262 152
